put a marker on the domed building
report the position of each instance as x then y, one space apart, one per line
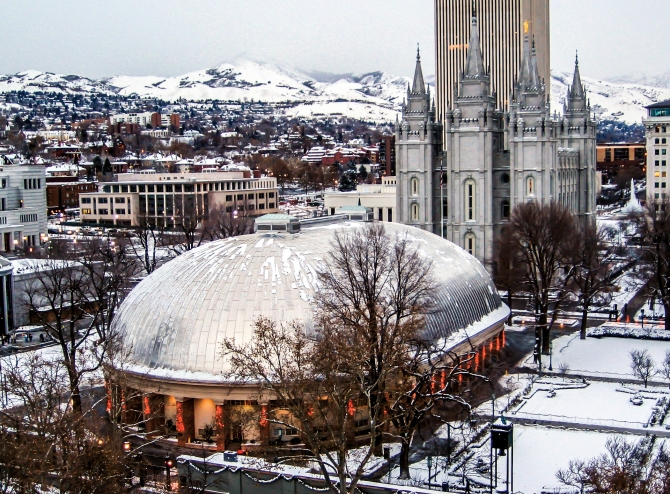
173 323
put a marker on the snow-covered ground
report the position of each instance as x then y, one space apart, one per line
604 356
539 452
585 404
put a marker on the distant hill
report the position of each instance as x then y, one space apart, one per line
373 96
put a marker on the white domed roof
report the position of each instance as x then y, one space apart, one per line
174 321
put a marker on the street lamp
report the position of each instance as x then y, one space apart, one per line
126 446
642 317
551 355
430 466
168 467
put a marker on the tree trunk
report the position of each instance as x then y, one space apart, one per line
74 390
404 457
666 308
546 335
585 319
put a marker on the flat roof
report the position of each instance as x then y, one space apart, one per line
660 104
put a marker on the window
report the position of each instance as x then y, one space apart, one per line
656 185
415 212
133 188
102 200
657 152
28 218
663 163
261 206
115 188
608 154
261 195
470 198
119 200
415 187
159 188
470 243
504 178
168 188
621 154
120 211
229 198
103 211
504 209
657 174
271 195
4 183
107 189
663 185
86 200
150 188
240 197
390 215
271 205
664 174
657 141
124 189
177 188
657 163
86 211
143 188
250 196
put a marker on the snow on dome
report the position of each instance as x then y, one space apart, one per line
174 321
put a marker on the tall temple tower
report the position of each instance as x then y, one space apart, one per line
474 132
503 24
418 144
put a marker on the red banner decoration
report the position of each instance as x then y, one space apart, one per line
180 417
146 407
264 416
351 409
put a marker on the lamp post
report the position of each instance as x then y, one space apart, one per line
551 355
642 317
168 467
430 466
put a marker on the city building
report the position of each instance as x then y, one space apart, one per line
510 21
656 126
387 155
155 120
165 198
381 198
612 157
23 208
494 159
173 323
63 193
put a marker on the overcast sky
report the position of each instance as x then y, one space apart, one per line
99 38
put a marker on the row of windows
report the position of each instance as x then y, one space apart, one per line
28 218
660 174
32 183
250 207
660 163
211 187
660 151
659 185
661 141
3 220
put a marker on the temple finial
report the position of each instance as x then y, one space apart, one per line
418 52
474 8
576 57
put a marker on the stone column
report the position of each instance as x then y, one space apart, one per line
185 421
222 426
154 415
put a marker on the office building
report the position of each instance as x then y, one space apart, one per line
23 207
165 198
503 25
657 126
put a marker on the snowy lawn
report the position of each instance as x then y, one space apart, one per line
598 403
605 356
539 452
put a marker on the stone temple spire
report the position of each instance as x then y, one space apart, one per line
529 77
419 86
577 89
474 66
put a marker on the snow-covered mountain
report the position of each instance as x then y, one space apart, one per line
611 101
373 96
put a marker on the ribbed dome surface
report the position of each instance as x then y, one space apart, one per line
175 320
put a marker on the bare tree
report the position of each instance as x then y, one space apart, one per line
665 366
221 224
148 239
541 235
654 226
642 365
592 263
431 377
376 291
47 445
622 470
508 271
